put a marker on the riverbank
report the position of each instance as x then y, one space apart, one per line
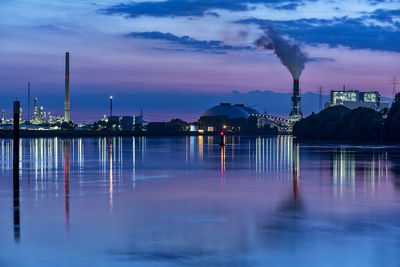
88 133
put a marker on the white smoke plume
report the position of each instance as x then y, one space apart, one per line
289 52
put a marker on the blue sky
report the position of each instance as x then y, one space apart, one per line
194 46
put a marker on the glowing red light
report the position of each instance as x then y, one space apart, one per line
222 133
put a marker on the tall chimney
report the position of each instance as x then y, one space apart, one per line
295 113
67 117
111 98
29 101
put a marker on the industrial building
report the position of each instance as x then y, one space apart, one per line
354 99
231 118
295 112
126 123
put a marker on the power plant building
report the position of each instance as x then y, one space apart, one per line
228 117
355 99
126 123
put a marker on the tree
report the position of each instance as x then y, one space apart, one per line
341 123
391 127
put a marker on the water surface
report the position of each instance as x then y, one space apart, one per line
187 201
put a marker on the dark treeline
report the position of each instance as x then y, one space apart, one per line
361 124
173 127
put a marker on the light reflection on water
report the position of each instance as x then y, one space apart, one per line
186 200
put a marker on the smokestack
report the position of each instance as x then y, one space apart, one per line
29 101
295 113
67 117
293 57
111 98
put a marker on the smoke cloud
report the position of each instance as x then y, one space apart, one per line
289 52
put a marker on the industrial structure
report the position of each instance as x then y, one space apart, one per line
29 100
41 120
111 99
232 118
354 99
40 117
67 117
226 117
295 113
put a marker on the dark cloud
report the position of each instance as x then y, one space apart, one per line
376 2
289 6
197 8
385 15
188 42
353 33
173 8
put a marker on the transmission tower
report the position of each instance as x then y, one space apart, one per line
394 81
320 98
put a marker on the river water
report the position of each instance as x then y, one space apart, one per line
187 201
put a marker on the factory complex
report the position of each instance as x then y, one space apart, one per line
354 99
226 117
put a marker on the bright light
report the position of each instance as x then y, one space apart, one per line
222 133
224 126
201 131
110 97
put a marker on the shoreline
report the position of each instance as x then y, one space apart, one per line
7 134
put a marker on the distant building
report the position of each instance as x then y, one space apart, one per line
356 99
193 128
227 117
126 123
39 116
138 120
113 120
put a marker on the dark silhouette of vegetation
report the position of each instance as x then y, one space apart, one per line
341 123
391 126
67 125
173 127
105 126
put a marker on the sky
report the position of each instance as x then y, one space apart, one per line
190 47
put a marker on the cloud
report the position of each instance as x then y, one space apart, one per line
385 15
196 8
173 8
188 42
288 6
349 32
376 2
375 30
